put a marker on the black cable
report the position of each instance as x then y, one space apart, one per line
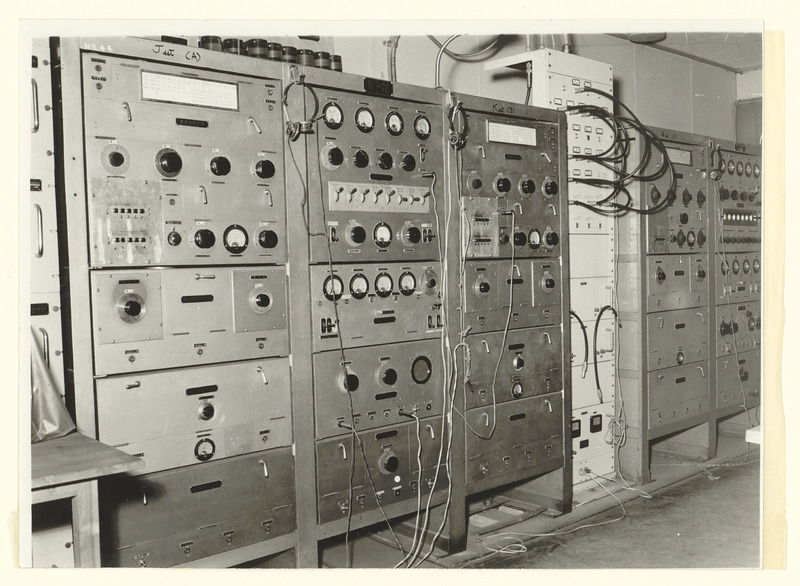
594 347
585 338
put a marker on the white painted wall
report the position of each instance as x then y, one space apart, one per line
750 85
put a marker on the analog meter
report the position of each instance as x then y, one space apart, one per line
332 115
394 124
383 285
365 121
407 283
332 287
422 127
359 286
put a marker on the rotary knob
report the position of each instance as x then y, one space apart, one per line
389 376
132 308
220 166
724 194
408 163
527 186
412 235
205 411
516 389
267 239
701 274
655 194
661 276
681 238
503 239
679 358
116 159
265 169
551 239
173 238
701 198
683 218
263 300
385 161
476 183
551 187
751 324
204 238
388 463
169 163
484 287
520 238
349 383
335 156
725 328
358 235
734 195
686 196
517 362
503 185
701 237
361 159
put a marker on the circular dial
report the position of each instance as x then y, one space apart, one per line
235 239
739 168
359 286
260 301
382 234
661 276
481 286
267 239
385 161
407 283
422 127
332 287
365 121
360 159
746 266
356 234
265 169
348 384
502 185
332 157
748 169
691 238
168 162
131 308
731 167
408 163
219 166
394 124
205 411
756 265
421 370
550 188
756 171
387 376
204 449
383 285
548 282
527 186
204 238
411 234
173 238
551 238
735 267
332 115
516 389
429 281
388 463
116 159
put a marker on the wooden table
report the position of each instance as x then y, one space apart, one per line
68 468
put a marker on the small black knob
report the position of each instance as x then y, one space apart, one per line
267 239
520 238
686 196
413 235
551 188
389 376
655 195
723 194
476 183
173 238
409 163
385 161
263 300
484 287
701 274
661 276
430 283
725 328
204 238
751 197
116 159
206 411
744 375
133 308
751 324
549 283
734 195
361 159
503 238
170 163
551 238
335 156
701 198
358 235
503 184
701 237
527 186
683 218
265 169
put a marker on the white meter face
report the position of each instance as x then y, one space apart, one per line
332 114
382 235
408 283
332 288
365 121
394 124
359 286
422 127
383 285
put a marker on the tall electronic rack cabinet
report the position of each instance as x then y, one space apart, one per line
509 304
667 370
173 186
735 298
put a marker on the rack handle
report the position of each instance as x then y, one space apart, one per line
39 230
45 346
35 92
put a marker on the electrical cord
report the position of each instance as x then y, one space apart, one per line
469 57
594 347
585 365
437 68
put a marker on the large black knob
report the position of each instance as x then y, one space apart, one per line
173 239
220 166
484 287
358 235
361 159
661 276
205 411
520 238
388 463
686 196
408 163
725 328
349 383
551 188
701 274
683 218
267 239
723 194
476 183
681 238
517 362
133 308
204 238
335 156
263 300
527 186
655 195
116 159
549 283
385 161
169 163
265 169
389 376
701 238
503 238
503 184
413 235
551 239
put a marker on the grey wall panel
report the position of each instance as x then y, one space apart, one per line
663 89
713 98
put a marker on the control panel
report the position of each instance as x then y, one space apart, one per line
375 303
374 162
738 277
174 418
739 380
391 473
676 282
677 337
385 383
677 393
145 320
738 328
178 516
183 167
510 187
738 198
683 226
